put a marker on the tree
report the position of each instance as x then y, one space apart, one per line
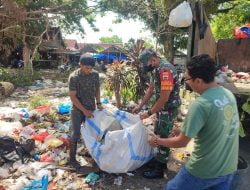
112 39
147 43
154 13
32 19
224 23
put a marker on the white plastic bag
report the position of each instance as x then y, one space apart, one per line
121 150
181 16
8 128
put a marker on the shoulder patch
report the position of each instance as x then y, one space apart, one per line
167 81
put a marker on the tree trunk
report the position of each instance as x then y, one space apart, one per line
27 61
28 69
26 55
168 44
168 36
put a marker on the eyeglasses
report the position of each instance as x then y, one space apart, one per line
185 80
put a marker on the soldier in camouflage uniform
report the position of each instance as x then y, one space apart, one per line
164 84
84 91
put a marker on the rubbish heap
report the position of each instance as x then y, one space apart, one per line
34 142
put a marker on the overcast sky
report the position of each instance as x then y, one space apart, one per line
126 30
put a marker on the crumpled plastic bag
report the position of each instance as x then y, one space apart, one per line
46 158
41 184
42 109
181 16
27 132
40 136
242 32
64 108
9 113
53 142
8 128
92 177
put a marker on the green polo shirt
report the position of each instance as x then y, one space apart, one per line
213 122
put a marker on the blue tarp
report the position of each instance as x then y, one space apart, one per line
105 56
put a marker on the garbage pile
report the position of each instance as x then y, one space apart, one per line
42 87
240 77
34 148
36 155
225 75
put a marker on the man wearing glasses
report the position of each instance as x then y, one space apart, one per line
213 122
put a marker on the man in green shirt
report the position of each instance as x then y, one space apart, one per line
213 122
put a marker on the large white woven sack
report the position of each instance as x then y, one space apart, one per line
117 141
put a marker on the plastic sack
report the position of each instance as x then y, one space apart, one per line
64 108
41 184
40 136
23 112
62 126
43 109
181 16
92 177
9 128
53 142
242 32
117 148
46 158
27 132
9 113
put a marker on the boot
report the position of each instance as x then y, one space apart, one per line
157 172
72 155
84 170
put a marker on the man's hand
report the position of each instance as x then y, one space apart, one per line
175 132
153 140
143 115
136 109
88 113
99 107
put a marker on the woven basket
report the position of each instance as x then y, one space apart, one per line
6 88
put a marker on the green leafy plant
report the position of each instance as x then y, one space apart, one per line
223 24
127 95
120 78
36 101
18 76
107 92
245 111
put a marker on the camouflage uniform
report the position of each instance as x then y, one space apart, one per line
85 87
169 112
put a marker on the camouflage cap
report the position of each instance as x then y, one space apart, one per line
145 56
